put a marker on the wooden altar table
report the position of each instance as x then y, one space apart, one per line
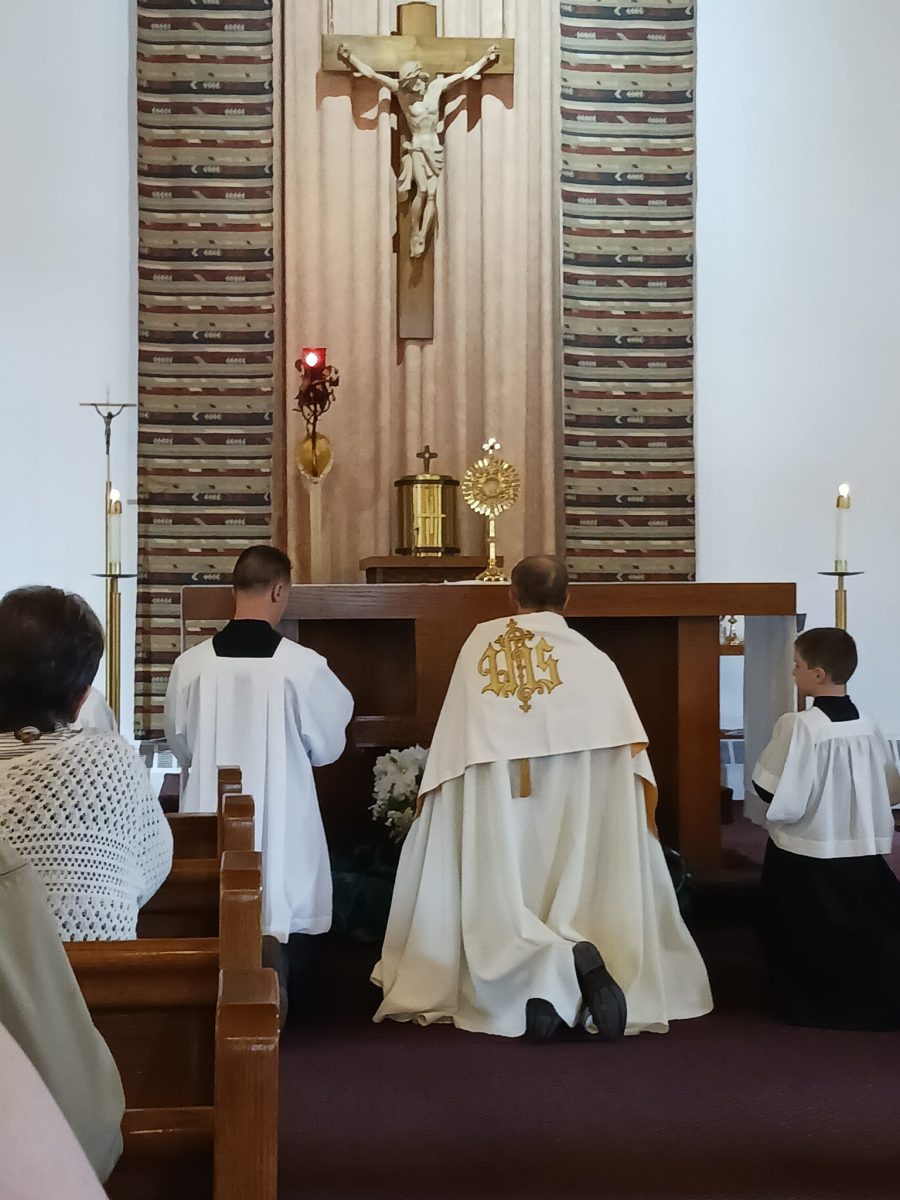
394 647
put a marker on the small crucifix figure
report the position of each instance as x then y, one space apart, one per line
427 455
418 57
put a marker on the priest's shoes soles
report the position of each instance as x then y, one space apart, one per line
543 1024
603 997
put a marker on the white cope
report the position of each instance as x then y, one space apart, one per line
506 869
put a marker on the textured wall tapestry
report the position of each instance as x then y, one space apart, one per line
627 213
206 297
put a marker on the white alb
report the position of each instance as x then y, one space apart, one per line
81 811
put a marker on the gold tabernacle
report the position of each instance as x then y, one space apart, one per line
426 512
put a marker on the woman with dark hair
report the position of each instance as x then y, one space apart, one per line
75 803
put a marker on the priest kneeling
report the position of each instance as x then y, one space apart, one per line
532 894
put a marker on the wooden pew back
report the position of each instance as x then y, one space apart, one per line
154 1000
187 904
161 992
192 1023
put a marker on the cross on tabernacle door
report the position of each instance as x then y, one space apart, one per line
419 58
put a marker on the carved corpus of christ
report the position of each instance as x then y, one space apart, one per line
418 68
422 162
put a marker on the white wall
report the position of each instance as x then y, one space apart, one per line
67 294
798 261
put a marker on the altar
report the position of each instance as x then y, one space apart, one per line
394 647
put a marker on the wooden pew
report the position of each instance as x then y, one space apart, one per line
200 1073
192 1023
240 910
187 904
229 783
246 1086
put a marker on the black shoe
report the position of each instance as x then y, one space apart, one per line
543 1024
604 998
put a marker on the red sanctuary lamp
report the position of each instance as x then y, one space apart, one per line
316 395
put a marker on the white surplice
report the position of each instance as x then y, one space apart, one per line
495 887
833 784
275 718
96 714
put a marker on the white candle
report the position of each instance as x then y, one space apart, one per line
115 530
843 524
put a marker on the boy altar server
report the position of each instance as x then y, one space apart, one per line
831 904
532 895
252 698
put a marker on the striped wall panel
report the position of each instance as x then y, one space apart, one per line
206 301
628 250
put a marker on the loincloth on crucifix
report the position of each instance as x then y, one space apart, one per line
430 162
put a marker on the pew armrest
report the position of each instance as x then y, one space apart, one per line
246 1099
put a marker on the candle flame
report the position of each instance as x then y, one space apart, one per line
114 495
844 489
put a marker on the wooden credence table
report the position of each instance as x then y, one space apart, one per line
394 647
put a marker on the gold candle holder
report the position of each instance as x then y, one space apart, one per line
313 454
840 573
113 599
112 555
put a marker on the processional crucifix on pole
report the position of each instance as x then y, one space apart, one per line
417 56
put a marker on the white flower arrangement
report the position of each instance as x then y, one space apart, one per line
397 778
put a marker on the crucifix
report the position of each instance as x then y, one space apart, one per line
417 56
426 456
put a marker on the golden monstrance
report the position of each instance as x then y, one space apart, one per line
490 487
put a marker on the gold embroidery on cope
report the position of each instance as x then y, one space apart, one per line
514 668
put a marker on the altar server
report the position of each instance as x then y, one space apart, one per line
96 714
831 904
251 698
532 894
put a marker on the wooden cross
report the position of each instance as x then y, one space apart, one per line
417 42
426 456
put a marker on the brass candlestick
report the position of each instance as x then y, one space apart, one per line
112 554
313 455
732 638
490 487
840 573
315 396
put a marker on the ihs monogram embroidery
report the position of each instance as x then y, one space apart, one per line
512 666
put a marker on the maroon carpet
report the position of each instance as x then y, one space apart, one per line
733 1105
